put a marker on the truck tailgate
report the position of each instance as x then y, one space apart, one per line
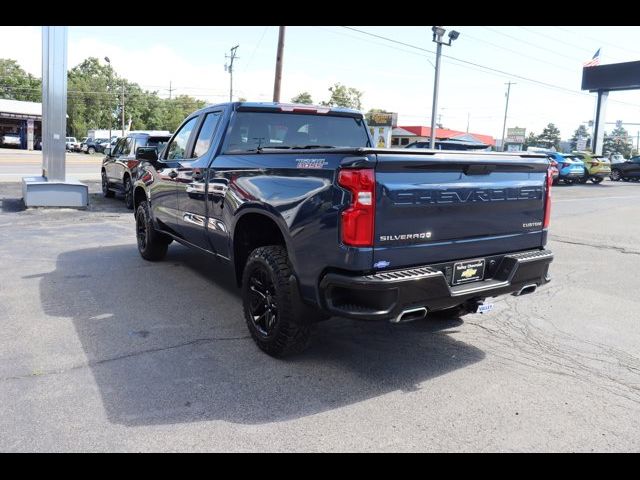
456 205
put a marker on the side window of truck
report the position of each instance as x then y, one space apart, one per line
178 146
126 148
205 136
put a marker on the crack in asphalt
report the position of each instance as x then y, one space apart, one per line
198 341
525 344
595 245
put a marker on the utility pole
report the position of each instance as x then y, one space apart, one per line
229 68
170 89
506 108
468 117
279 58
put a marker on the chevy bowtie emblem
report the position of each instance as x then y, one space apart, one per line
469 272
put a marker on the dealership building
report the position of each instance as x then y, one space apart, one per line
23 118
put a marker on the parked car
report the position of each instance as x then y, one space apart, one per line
12 140
449 145
616 158
315 222
553 170
72 143
596 167
570 168
81 144
628 170
93 145
119 166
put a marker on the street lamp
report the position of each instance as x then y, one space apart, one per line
109 62
438 33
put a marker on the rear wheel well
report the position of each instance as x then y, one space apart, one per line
253 230
138 196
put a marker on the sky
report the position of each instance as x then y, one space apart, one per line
395 77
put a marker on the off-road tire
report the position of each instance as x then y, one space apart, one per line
152 244
287 335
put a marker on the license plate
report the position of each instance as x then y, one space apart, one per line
469 271
484 308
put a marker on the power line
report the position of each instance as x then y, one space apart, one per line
530 44
601 41
546 62
378 43
490 69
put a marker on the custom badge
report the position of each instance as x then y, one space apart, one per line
310 162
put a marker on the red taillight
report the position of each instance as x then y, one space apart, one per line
547 200
358 219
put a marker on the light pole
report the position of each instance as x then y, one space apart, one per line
438 33
106 59
109 62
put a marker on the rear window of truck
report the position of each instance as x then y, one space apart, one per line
250 131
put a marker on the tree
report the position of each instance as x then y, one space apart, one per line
581 132
343 96
94 98
531 141
304 97
550 137
16 84
617 142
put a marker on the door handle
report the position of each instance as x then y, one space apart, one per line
173 174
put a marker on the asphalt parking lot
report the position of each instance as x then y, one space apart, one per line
102 351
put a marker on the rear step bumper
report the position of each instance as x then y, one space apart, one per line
386 295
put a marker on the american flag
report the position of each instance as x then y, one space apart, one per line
594 61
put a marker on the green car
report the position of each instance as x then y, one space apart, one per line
596 167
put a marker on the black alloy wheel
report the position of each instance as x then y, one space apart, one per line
263 305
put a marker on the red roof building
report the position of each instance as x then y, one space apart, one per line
402 136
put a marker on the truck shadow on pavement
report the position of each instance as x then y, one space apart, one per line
166 343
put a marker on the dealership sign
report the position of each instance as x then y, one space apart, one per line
380 127
382 119
515 135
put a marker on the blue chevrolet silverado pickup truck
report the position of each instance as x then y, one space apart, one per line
316 222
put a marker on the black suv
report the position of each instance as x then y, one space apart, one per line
628 170
119 166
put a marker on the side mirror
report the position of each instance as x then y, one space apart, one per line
107 151
149 154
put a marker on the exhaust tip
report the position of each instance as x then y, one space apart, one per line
527 289
410 315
